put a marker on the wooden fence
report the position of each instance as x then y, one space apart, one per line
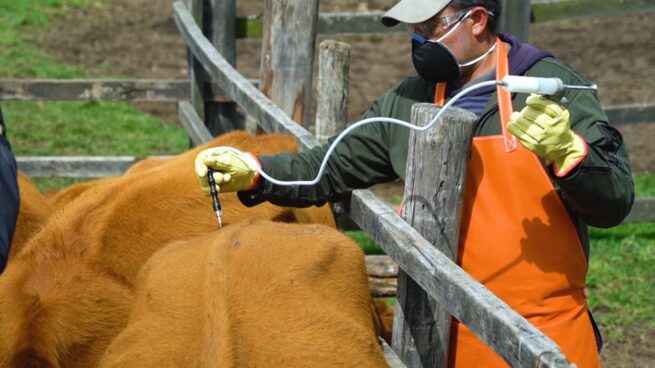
215 88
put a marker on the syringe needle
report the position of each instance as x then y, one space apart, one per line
214 194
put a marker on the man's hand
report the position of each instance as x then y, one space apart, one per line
233 170
543 128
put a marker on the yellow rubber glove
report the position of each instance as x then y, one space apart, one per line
543 127
234 171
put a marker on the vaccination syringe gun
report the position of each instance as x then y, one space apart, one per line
552 88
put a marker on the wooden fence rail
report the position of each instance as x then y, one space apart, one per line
75 166
174 90
100 166
152 90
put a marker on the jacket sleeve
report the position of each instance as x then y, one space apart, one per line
359 160
8 198
600 190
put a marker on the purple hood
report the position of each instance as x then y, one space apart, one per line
521 57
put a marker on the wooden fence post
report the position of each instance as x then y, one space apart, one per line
217 19
333 80
288 55
515 18
436 169
332 106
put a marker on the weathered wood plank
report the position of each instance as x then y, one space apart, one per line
381 266
629 114
328 24
382 287
549 10
93 90
392 358
332 89
216 19
195 128
515 18
287 56
218 24
173 90
222 28
432 205
101 166
506 332
642 211
76 166
197 75
248 97
332 103
153 90
354 23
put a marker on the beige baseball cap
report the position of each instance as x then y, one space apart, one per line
413 11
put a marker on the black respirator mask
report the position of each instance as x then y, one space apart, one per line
434 62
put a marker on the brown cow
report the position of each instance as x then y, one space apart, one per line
60 198
258 294
78 273
33 212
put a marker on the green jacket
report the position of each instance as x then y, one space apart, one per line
598 192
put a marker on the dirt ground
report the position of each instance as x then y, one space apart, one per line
138 38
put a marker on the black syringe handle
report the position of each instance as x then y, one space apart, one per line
212 190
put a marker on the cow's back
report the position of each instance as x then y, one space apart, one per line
254 294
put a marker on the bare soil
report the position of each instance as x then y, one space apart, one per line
138 38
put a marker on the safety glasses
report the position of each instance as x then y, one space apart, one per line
441 23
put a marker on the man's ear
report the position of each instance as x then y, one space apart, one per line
480 17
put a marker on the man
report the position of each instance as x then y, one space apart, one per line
8 195
526 206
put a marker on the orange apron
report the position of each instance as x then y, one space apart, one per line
518 240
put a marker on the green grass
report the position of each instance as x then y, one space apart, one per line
69 128
89 128
645 185
369 246
621 280
23 18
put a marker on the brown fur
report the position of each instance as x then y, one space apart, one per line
60 198
33 212
383 319
258 294
98 242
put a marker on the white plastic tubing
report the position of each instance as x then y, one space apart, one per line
511 83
